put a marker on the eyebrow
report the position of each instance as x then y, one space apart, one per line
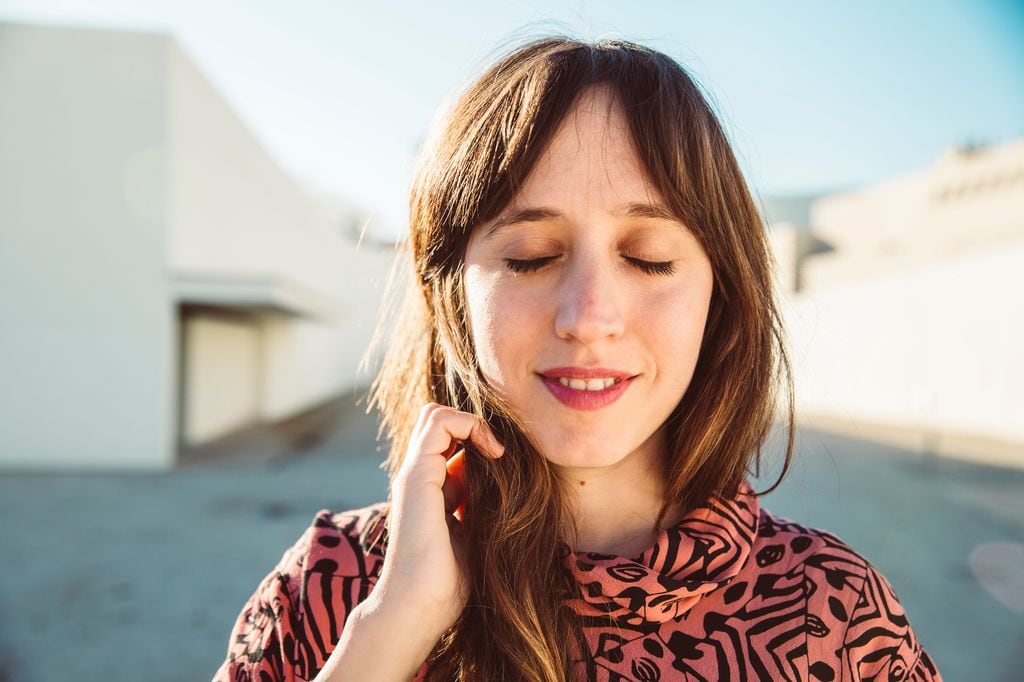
536 214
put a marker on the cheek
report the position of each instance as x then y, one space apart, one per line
502 322
674 330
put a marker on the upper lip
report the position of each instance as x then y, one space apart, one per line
585 373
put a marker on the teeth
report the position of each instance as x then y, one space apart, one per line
596 384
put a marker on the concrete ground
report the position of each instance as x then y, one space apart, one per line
140 576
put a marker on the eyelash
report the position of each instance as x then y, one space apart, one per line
650 267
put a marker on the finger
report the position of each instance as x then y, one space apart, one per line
483 436
421 442
425 412
445 423
452 447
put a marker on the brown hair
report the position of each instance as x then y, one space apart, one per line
517 624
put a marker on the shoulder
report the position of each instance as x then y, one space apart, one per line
788 559
297 610
834 573
343 538
363 529
349 543
785 544
852 610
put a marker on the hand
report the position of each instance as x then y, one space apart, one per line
424 565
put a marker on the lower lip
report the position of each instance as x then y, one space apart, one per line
586 400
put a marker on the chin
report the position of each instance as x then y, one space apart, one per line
583 453
601 461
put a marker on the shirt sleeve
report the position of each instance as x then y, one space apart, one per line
256 644
289 626
880 642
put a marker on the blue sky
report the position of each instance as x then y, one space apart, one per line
814 95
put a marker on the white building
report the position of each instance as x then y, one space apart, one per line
162 281
904 306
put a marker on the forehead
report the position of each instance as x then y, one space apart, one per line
590 164
594 136
596 113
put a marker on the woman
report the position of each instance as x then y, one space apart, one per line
583 372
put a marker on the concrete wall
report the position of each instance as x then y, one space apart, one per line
86 349
234 213
968 199
232 209
909 328
128 189
935 348
223 370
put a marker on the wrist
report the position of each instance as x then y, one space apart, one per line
403 618
369 630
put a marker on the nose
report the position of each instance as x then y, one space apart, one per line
590 303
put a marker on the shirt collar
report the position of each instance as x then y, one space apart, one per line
705 550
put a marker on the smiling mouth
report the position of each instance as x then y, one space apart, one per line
595 384
588 394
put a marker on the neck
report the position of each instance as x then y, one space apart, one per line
615 507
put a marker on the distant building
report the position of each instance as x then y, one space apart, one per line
903 304
791 238
162 282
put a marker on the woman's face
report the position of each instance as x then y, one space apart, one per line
584 277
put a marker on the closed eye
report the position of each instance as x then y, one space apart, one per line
533 264
527 265
654 267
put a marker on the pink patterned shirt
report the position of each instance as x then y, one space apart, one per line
730 592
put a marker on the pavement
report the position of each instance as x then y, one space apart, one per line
125 576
